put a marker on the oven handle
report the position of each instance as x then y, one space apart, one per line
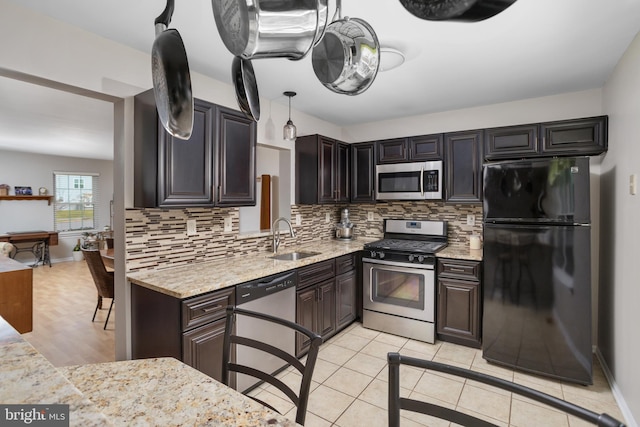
421 181
399 264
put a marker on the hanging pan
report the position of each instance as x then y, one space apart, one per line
171 79
347 58
244 81
256 29
456 10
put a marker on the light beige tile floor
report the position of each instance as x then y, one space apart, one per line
350 383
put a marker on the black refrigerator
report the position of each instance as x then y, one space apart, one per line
537 270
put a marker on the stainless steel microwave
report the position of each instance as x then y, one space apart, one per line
409 181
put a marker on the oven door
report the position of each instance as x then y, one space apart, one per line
402 289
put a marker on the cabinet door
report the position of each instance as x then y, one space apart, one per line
458 311
575 137
305 316
363 163
345 299
185 168
326 308
341 170
425 147
511 142
326 159
202 348
463 168
236 159
393 151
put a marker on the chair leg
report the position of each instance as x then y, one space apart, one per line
108 314
96 310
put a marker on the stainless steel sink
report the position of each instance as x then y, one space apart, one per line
294 256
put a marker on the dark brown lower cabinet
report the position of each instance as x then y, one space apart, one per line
346 308
316 311
459 302
202 348
191 329
326 299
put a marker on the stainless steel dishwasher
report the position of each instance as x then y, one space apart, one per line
273 295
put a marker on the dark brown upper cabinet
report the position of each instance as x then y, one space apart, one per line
322 170
511 142
410 149
576 137
214 167
236 181
425 147
393 151
363 162
463 166
586 136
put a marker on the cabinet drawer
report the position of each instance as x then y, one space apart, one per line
457 268
206 308
345 263
315 273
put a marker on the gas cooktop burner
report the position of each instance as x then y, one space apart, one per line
406 245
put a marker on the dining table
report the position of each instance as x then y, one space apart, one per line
107 257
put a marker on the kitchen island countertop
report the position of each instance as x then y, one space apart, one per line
159 391
198 278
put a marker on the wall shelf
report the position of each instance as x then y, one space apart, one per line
47 198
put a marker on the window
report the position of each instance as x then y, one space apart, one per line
76 201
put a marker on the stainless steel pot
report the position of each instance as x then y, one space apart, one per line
456 10
270 28
171 78
347 58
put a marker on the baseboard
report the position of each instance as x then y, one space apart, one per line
617 394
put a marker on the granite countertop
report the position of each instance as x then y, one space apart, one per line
160 391
460 252
199 278
166 392
27 377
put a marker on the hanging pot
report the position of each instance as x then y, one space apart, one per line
456 10
171 78
270 28
347 58
244 81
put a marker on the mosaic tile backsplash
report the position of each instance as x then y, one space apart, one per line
157 238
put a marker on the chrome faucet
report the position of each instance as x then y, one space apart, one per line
275 231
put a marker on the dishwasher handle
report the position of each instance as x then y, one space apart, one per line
263 287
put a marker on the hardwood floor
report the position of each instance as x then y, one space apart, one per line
64 297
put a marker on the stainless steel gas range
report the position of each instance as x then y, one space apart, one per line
399 278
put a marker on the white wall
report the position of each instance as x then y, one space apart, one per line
557 107
36 170
619 284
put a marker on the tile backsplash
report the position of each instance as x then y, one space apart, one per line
157 238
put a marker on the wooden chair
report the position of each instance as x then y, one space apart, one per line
102 278
396 403
300 399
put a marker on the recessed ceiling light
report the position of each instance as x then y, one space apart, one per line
390 58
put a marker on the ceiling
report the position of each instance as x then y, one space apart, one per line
534 48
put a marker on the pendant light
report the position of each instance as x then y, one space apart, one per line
289 132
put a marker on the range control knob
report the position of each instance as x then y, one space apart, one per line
420 258
411 258
373 254
381 255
